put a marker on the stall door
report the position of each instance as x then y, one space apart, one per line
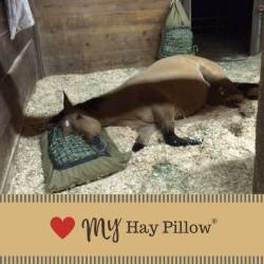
257 13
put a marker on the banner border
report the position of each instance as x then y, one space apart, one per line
131 198
132 259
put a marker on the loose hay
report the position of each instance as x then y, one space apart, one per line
222 164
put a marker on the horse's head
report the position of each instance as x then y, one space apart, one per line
73 120
228 95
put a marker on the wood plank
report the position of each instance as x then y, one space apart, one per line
98 42
73 64
5 117
84 36
9 50
7 140
3 21
258 181
107 22
36 38
18 75
15 90
256 29
67 7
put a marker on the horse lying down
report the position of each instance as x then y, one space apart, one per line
170 89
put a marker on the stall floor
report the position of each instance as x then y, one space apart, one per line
222 164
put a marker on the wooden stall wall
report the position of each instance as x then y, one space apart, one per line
258 184
18 75
87 35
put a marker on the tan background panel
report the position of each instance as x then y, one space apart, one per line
238 229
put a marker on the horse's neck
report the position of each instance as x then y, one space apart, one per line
103 108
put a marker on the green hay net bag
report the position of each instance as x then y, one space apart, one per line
177 36
70 161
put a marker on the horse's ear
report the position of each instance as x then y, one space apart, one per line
66 102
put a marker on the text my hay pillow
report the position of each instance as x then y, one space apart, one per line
69 161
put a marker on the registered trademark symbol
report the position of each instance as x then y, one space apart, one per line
215 220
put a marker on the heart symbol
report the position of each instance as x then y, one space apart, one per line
62 227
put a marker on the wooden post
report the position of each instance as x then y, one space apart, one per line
36 37
256 28
258 183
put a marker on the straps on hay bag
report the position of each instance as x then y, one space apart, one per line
177 36
73 150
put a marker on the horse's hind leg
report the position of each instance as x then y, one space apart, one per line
164 116
144 135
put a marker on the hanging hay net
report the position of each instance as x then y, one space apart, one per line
177 36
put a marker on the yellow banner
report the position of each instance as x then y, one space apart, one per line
136 225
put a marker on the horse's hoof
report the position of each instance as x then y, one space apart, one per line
137 147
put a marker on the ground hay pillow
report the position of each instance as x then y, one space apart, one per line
70 161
